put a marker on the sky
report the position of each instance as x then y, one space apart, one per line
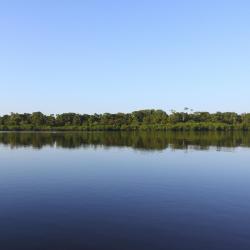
123 55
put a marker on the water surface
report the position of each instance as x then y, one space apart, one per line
125 191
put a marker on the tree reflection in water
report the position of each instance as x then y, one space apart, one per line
136 140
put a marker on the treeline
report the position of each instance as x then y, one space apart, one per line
138 120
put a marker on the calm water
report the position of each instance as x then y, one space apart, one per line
125 191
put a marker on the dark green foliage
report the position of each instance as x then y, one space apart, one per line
139 120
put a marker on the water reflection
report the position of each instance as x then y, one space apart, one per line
136 140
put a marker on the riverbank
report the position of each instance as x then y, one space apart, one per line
185 126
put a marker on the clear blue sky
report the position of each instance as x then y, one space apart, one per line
109 56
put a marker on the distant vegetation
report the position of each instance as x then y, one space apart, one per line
138 120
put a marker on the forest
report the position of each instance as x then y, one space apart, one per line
148 119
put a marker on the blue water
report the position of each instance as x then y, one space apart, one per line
110 197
